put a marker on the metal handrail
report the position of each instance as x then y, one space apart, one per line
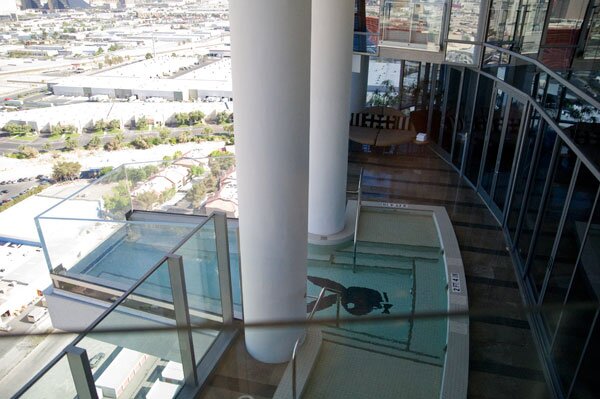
310 316
358 205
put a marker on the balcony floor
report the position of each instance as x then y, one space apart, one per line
503 359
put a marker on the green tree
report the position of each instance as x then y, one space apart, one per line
119 202
99 51
228 128
197 170
47 147
177 154
389 97
167 194
163 133
114 125
94 143
148 56
99 126
183 137
66 171
196 117
147 199
182 119
71 144
142 123
15 129
28 152
140 143
196 194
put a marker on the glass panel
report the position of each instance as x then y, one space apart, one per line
575 323
412 24
553 209
464 116
450 111
464 21
581 121
201 271
495 134
480 120
56 383
509 144
535 192
438 102
580 208
104 248
365 42
461 53
587 383
563 32
592 44
525 164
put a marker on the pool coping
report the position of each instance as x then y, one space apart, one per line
456 364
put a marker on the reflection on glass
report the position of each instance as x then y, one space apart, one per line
522 174
509 145
540 171
56 383
571 237
553 208
562 35
460 53
464 116
494 140
412 24
449 121
575 324
480 120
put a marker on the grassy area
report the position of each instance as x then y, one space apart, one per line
27 138
99 133
55 137
72 136
114 131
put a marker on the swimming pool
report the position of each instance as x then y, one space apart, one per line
401 270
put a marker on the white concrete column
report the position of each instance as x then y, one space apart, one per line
360 81
331 76
270 42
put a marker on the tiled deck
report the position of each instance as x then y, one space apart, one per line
503 360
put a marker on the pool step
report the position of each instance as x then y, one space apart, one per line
305 361
397 250
377 345
369 260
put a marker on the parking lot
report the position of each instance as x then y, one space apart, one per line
12 189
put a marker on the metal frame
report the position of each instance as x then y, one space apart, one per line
182 318
81 372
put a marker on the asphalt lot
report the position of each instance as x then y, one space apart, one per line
16 188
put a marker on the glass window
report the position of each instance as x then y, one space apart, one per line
580 209
544 156
464 116
450 111
509 145
587 383
553 209
576 321
481 111
527 152
494 140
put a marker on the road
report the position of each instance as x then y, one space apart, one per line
9 144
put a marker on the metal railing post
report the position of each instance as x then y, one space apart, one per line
222 244
81 372
359 191
182 319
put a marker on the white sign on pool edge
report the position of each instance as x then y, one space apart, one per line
394 205
455 282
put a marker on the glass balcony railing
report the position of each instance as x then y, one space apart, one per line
143 342
103 220
574 111
412 24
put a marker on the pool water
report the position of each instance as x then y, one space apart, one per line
400 270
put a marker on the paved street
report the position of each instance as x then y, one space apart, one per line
9 144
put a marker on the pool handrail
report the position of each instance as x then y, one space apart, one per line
310 316
359 192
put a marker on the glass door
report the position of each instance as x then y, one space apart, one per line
504 133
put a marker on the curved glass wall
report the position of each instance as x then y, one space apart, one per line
531 152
